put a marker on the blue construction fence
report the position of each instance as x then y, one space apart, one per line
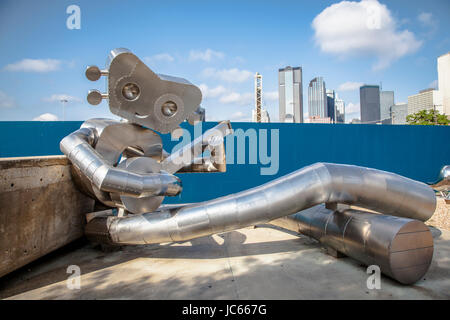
417 152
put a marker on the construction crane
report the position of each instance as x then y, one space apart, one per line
258 96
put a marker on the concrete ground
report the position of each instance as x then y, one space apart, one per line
252 263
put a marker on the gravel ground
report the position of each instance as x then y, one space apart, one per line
441 217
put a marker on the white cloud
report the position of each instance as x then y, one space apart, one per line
34 65
6 101
46 117
364 28
433 84
164 57
352 111
427 20
239 60
228 75
206 55
237 98
270 95
59 97
350 86
352 108
240 117
211 92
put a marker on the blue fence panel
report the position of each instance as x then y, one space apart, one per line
417 152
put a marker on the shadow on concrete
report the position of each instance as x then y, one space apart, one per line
53 267
306 273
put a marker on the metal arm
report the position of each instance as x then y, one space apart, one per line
187 158
78 148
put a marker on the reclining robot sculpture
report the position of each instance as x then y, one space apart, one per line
123 165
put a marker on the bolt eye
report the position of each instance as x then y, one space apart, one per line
131 91
169 108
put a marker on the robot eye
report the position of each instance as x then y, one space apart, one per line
169 108
131 91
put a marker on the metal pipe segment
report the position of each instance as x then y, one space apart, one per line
316 184
443 181
401 247
212 138
78 148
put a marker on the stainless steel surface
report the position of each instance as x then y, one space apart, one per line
141 165
78 148
442 184
401 247
93 73
94 97
198 115
443 181
141 96
302 189
122 139
213 140
118 141
123 165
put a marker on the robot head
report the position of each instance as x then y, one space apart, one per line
136 93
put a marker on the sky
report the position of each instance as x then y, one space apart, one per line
218 46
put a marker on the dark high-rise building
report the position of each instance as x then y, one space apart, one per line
290 94
369 96
317 98
331 105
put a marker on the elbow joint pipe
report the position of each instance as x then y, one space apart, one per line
78 148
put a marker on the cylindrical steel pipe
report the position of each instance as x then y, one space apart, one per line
319 183
212 139
401 247
78 148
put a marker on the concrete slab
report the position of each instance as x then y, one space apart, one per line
41 209
261 263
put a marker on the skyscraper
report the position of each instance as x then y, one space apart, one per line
340 109
444 81
317 98
386 102
427 99
369 98
331 105
290 94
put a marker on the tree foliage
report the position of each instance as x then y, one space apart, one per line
427 117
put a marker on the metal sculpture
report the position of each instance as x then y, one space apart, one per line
123 164
442 184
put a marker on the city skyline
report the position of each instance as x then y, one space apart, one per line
49 60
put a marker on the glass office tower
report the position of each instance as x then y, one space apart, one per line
386 102
290 94
340 109
317 98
